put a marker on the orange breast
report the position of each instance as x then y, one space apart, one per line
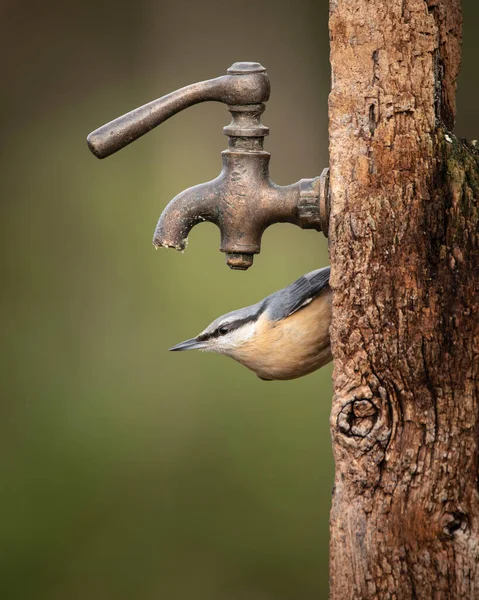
292 347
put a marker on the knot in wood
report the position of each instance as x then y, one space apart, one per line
454 522
357 418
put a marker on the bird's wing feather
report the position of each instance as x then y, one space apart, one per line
290 299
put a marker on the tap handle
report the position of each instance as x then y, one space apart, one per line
246 83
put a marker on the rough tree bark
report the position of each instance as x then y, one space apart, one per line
405 334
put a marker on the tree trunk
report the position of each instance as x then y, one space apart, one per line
405 334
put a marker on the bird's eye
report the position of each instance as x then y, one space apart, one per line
223 329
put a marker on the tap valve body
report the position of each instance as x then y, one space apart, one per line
242 201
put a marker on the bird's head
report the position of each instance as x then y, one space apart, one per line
226 335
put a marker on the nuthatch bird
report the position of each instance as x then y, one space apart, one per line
284 336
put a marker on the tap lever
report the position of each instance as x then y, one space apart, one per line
245 84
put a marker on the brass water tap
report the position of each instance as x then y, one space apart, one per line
242 201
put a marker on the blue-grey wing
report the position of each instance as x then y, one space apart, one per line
290 299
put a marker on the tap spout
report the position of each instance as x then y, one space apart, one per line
242 201
192 206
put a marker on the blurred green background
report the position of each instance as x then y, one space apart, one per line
127 471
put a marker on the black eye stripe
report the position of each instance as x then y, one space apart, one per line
233 325
228 327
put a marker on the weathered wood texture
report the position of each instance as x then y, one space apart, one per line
405 332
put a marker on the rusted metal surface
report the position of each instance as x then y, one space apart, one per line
242 201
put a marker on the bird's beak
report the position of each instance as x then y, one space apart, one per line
192 344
